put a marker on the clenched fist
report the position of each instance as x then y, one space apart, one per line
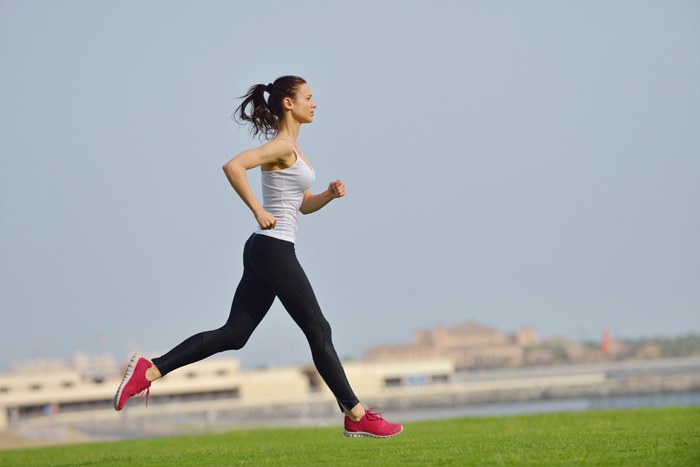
266 220
336 189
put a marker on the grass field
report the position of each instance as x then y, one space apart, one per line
666 436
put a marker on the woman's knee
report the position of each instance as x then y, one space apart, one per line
237 340
319 335
228 338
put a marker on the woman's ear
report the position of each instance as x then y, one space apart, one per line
287 103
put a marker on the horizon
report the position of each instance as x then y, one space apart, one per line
65 359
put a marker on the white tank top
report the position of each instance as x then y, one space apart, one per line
283 191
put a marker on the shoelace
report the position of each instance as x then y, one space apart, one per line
374 415
145 393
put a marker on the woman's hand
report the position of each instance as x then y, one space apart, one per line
336 189
266 220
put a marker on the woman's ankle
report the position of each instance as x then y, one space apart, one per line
152 373
356 413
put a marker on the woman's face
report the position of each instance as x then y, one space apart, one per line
303 105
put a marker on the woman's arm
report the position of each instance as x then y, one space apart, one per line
274 152
313 203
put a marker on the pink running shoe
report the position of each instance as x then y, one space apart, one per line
371 424
134 382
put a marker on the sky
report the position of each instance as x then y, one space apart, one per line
511 163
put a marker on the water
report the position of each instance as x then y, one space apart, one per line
549 406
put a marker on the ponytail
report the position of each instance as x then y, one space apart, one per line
265 115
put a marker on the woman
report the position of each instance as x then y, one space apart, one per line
271 268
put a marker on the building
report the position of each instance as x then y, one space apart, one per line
73 394
470 345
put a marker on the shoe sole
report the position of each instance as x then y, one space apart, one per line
364 434
127 375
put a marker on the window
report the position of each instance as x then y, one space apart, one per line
416 380
392 382
441 379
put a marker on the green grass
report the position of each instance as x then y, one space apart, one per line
667 436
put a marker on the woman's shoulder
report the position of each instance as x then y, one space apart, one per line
278 147
281 151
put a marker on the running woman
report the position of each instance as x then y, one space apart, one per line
270 265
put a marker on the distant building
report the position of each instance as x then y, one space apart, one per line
470 345
51 390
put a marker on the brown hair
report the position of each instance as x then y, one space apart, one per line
265 115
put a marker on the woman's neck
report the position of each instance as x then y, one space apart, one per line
289 130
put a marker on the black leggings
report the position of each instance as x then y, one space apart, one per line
270 269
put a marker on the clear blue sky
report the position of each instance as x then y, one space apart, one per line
514 163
